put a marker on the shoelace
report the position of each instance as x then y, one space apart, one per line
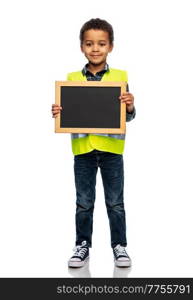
79 251
120 250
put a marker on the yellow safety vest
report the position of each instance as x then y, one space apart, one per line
83 143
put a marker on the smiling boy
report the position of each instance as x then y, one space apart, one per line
99 150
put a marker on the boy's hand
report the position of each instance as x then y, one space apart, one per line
56 110
128 98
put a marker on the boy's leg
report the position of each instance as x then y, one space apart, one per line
112 171
85 170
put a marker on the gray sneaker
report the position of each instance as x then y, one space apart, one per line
121 257
80 256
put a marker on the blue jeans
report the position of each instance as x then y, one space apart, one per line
112 172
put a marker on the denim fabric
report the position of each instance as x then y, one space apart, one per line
112 172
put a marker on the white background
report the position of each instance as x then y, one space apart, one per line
40 44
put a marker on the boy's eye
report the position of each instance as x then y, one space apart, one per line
90 45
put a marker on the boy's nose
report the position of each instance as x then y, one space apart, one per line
95 48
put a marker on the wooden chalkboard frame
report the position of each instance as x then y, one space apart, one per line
120 130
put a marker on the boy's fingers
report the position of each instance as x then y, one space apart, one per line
56 109
56 106
55 112
124 99
123 96
126 96
127 101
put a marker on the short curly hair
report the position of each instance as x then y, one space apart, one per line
97 24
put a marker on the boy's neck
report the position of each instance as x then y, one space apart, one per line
96 68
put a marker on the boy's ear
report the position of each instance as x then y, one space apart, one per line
111 48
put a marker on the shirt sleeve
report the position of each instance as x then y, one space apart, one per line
130 116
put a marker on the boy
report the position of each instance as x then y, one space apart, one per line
99 150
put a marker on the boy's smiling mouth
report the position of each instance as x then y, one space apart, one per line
95 56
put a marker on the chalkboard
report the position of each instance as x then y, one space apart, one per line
90 107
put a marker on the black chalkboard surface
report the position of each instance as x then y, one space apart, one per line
90 106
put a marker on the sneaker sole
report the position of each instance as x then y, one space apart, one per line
123 264
77 264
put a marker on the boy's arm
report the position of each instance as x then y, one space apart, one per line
130 116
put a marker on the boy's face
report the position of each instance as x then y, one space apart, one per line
96 46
